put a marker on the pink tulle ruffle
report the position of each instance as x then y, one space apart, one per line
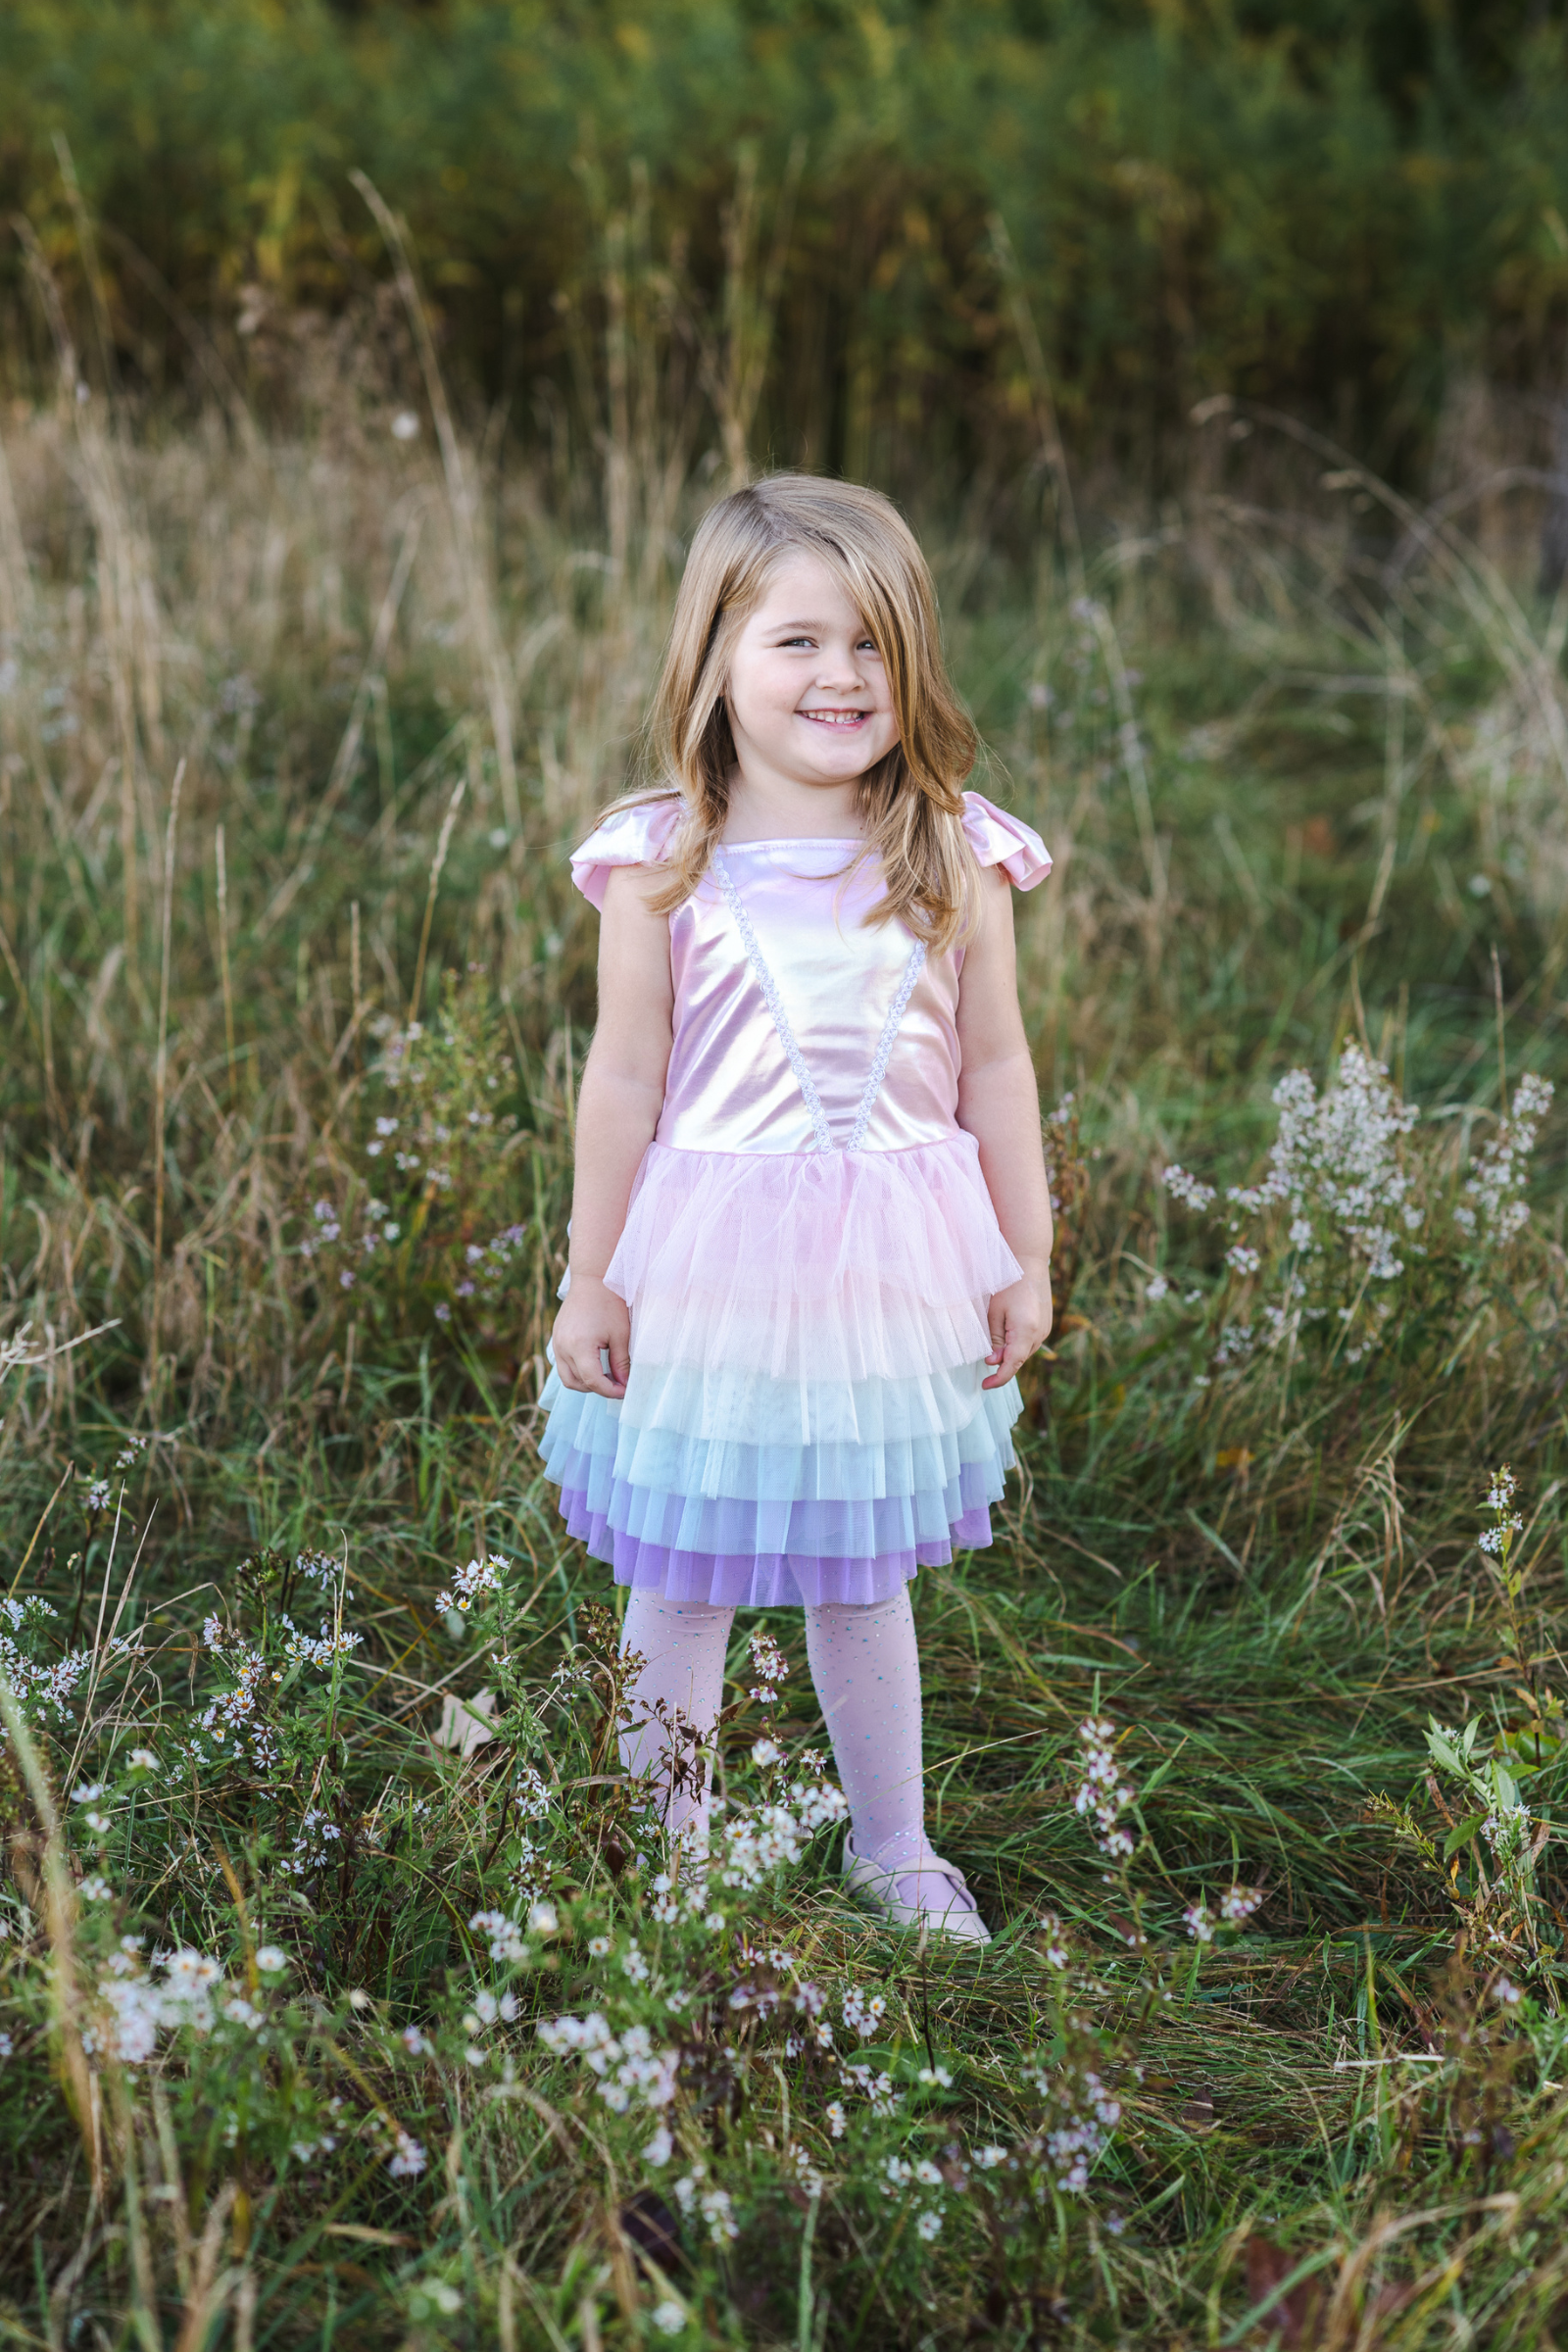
813 1265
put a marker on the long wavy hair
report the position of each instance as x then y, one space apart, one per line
910 803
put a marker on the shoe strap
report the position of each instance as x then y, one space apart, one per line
924 1858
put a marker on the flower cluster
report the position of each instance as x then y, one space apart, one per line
755 1845
1084 2113
1236 1906
317 1836
861 2017
236 1712
1493 1206
136 2002
1189 1191
1348 1210
1499 1537
43 1685
770 1666
470 1583
506 1937
310 1649
627 2065
1335 1165
489 1265
711 2204
1507 1830
1057 1955
900 2174
1102 1794
318 1568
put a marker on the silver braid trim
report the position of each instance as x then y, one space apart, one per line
884 1046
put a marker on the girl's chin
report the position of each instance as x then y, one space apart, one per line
846 750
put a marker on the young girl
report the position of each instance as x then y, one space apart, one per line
810 1231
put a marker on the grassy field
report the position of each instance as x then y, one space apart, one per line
293 740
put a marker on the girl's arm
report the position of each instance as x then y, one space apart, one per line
999 1105
619 1103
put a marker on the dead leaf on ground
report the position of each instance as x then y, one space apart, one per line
465 1722
1293 2317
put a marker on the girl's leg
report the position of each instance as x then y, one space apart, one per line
866 1669
683 1644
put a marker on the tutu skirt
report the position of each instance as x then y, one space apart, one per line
804 1421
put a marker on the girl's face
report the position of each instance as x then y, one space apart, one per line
807 695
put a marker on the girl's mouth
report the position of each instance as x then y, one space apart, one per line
836 719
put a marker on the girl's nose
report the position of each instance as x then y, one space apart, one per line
838 667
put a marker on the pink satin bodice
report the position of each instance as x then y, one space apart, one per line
730 1086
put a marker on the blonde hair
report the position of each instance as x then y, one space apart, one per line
910 803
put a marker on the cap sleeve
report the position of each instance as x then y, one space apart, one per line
998 839
636 836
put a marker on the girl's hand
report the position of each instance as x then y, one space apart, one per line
592 1317
1019 1318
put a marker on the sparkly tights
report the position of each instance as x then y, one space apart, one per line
867 1674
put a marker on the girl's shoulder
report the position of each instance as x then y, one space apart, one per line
638 834
998 839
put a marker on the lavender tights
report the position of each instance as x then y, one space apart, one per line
866 1670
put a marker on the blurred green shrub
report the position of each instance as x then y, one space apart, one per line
1319 205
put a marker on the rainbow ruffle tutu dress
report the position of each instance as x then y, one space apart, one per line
810 1250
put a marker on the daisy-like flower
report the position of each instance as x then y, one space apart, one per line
470 1584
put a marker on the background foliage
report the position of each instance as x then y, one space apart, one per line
1325 207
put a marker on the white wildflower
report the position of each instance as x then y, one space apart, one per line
470 1584
1057 1953
1102 1794
1493 1204
770 1666
1188 1190
502 1934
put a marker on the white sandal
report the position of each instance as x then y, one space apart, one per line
878 1883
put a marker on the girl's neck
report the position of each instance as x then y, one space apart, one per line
775 807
